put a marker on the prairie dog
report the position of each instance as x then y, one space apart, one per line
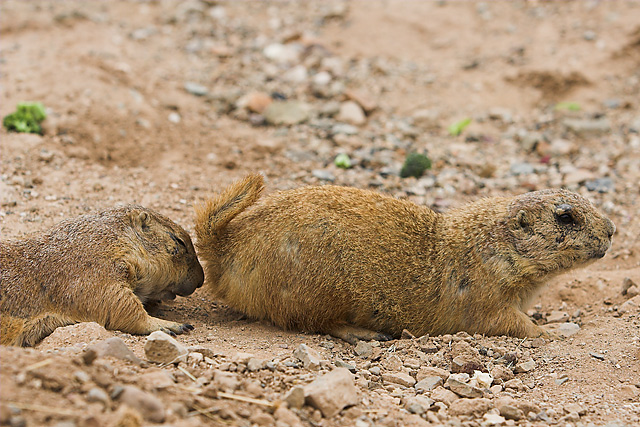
347 261
103 268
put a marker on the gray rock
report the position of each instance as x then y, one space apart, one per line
149 406
344 129
428 384
112 347
375 370
332 392
630 306
588 127
627 283
323 174
351 112
342 364
462 389
255 364
566 329
418 404
283 53
400 378
601 185
522 168
363 349
309 357
441 394
295 397
612 103
287 112
558 317
475 407
526 366
97 394
162 348
195 89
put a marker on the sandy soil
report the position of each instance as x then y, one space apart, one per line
125 125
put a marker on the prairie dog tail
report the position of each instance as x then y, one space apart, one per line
29 332
214 214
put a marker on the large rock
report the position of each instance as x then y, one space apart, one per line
162 348
149 406
287 112
332 392
112 347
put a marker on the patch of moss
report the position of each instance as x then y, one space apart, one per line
27 118
414 165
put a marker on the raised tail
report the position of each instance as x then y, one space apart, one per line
213 215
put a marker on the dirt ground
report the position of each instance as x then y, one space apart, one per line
157 103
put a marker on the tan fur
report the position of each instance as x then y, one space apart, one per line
324 258
103 268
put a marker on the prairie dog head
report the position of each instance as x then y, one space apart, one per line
165 262
556 230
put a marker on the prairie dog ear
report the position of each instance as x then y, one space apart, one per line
140 219
522 219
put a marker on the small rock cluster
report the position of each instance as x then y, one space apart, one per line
418 381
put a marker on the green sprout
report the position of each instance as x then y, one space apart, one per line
26 119
414 165
342 161
456 128
570 106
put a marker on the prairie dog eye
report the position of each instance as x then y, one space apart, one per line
563 213
565 219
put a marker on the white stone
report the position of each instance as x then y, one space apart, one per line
162 348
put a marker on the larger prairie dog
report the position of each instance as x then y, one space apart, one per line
347 261
103 268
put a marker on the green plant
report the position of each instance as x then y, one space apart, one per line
571 106
27 118
456 128
414 165
342 161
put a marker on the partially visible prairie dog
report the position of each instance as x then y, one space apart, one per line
346 261
103 268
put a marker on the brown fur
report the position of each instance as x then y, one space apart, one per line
103 268
326 258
